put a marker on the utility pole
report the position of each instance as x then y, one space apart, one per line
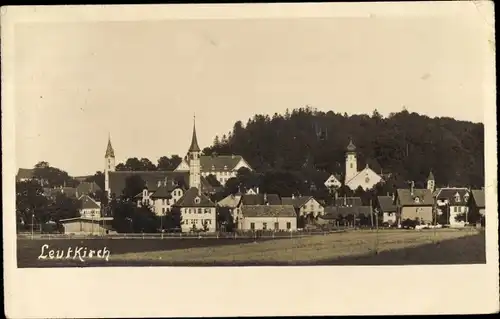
32 224
371 213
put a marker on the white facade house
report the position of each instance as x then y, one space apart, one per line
268 217
333 182
89 208
453 201
305 205
223 167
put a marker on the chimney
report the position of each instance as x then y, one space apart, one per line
393 196
257 190
265 198
293 196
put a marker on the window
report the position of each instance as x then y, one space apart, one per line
276 226
417 200
199 210
264 226
252 226
351 165
208 221
197 200
163 210
288 225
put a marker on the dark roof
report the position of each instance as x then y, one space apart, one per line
405 198
68 191
348 201
351 147
386 203
194 141
297 202
82 178
479 198
268 211
164 191
260 199
110 152
449 194
26 173
218 162
88 203
332 212
87 188
189 199
117 179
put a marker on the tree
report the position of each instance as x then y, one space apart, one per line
52 176
134 185
147 165
31 204
63 207
212 180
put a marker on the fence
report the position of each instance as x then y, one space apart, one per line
214 235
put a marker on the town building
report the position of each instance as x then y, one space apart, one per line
304 205
366 178
53 192
453 204
386 207
268 217
87 226
222 167
198 212
333 182
477 205
414 204
89 208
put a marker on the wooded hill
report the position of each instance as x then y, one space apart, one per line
406 145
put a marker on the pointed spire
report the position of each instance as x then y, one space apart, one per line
351 147
431 176
109 150
194 141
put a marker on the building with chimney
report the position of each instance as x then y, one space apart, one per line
414 204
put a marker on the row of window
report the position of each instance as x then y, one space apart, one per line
276 226
197 222
199 210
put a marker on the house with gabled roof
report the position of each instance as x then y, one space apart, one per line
89 208
453 202
333 182
268 217
386 207
161 198
304 205
197 211
477 205
414 204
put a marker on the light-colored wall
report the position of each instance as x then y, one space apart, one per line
190 216
389 217
455 211
332 181
246 222
79 226
312 206
93 212
360 180
424 213
162 206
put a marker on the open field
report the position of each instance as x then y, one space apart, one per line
395 247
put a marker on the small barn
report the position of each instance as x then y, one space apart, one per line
87 226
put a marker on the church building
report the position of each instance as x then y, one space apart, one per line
366 178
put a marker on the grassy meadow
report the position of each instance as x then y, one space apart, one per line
388 247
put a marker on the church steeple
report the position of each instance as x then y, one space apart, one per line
110 152
194 141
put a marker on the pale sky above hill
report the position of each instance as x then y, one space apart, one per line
142 81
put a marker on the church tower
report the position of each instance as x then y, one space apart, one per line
109 165
431 182
194 161
351 162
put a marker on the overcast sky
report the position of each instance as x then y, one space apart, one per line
143 81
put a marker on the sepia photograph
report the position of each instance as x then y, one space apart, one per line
207 142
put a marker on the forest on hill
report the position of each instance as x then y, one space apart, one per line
403 145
